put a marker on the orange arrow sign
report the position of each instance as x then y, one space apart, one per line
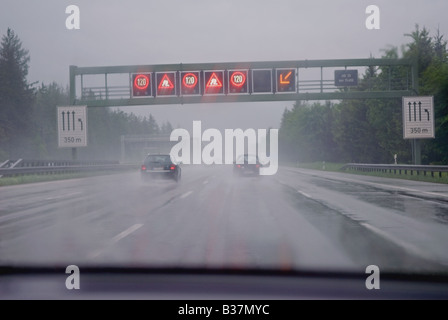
285 80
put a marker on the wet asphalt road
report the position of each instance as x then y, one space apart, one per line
296 219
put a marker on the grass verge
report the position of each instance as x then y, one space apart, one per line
33 178
336 167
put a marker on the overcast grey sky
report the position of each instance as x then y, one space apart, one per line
136 32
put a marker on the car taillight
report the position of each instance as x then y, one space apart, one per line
238 165
172 167
143 168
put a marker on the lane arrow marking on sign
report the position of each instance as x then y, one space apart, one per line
420 110
285 80
410 115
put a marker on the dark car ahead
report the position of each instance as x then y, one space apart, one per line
157 166
246 165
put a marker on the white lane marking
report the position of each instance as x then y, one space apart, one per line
94 254
305 194
408 247
186 194
126 232
115 239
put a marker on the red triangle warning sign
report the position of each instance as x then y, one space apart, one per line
166 83
214 82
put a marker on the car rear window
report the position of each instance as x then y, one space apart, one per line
248 159
158 158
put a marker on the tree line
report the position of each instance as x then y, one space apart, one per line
28 124
370 130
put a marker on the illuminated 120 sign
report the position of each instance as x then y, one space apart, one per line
141 85
238 81
189 83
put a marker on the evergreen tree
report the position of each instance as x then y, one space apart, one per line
166 128
16 98
48 97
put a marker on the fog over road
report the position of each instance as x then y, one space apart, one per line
296 219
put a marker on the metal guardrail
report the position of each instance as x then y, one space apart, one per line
27 167
16 163
396 169
10 163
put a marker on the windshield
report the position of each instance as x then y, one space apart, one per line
340 106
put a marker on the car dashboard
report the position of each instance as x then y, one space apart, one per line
177 284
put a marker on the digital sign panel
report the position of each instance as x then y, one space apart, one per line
345 78
286 80
141 85
238 81
166 84
261 81
213 82
189 83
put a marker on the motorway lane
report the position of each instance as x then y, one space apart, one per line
410 216
296 219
